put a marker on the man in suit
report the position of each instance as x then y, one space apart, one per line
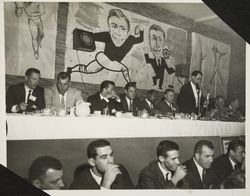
103 172
148 104
46 172
190 95
129 101
166 172
225 164
167 104
200 175
105 99
61 95
158 63
27 96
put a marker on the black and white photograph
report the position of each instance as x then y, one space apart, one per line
124 95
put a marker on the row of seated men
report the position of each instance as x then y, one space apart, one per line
201 171
28 97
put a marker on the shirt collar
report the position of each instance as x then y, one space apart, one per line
232 162
149 103
200 169
163 170
98 179
169 104
102 97
27 89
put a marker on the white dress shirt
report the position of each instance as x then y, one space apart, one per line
150 104
128 102
165 172
65 98
232 163
195 93
105 98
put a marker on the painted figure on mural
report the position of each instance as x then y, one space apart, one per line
118 43
160 55
34 11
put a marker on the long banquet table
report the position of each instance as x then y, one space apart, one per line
28 127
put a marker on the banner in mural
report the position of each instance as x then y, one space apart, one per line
212 58
105 42
30 37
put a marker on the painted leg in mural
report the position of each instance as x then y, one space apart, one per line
103 62
34 12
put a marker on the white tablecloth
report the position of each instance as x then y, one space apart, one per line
22 127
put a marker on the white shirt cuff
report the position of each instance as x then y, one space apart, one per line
104 188
14 109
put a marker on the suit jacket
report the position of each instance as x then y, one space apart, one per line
144 105
52 98
98 104
84 180
124 104
164 108
222 167
151 177
186 100
16 94
194 180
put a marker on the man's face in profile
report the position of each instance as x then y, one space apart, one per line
52 179
32 81
157 42
104 157
197 79
118 30
205 157
171 160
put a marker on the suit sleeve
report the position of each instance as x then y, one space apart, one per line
125 180
10 99
170 70
146 182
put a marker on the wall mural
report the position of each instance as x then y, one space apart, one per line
30 34
212 58
123 46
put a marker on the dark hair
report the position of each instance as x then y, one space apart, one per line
234 144
40 166
234 99
130 84
165 146
63 76
157 28
219 96
200 144
105 84
152 91
91 149
196 72
29 71
169 90
119 14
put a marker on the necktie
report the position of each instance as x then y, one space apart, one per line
62 102
168 176
159 62
204 178
131 105
28 98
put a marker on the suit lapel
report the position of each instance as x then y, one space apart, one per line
196 174
159 175
192 93
69 98
22 93
56 96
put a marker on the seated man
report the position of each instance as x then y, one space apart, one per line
103 172
226 163
233 113
46 173
105 99
61 95
166 172
219 111
200 175
27 96
148 103
129 101
167 104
